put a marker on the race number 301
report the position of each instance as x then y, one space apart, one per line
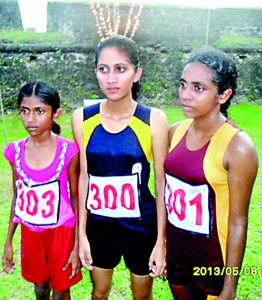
187 205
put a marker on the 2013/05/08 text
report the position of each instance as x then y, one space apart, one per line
228 271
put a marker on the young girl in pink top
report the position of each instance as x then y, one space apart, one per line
45 174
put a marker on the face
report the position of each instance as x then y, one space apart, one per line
37 117
197 93
116 74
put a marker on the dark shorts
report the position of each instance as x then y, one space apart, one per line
110 240
194 260
44 254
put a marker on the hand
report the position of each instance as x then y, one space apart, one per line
165 275
227 295
157 262
223 297
7 259
74 261
85 253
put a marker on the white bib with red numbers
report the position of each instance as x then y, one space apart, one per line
187 205
38 204
114 196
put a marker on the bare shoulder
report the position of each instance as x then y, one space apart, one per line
158 113
77 113
77 123
158 121
241 149
77 117
242 144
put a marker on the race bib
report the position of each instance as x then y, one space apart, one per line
187 205
38 204
114 196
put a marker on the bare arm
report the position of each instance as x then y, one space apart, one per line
160 147
73 174
7 258
242 163
84 247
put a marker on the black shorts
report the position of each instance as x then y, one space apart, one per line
110 240
193 260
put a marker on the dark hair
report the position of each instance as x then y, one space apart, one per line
46 93
223 68
130 48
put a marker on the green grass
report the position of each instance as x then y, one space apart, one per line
239 41
14 287
28 37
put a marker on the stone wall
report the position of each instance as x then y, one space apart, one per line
72 74
158 24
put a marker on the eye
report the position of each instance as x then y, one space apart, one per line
199 88
103 69
121 69
23 110
182 84
40 111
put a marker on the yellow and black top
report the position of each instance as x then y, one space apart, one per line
119 170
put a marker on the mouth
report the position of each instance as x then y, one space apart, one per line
113 89
186 107
31 128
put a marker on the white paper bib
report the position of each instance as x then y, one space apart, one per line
114 196
38 204
187 205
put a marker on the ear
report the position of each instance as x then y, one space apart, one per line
224 96
57 114
95 71
138 74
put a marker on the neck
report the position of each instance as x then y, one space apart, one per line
209 126
42 140
118 110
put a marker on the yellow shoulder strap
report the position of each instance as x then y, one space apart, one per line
180 131
216 175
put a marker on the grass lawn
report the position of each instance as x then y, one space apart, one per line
14 287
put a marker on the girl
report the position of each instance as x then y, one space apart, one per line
117 139
210 172
43 165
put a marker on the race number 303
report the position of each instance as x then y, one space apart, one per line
38 204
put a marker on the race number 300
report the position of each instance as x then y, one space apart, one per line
115 196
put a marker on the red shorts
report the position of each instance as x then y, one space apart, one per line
44 254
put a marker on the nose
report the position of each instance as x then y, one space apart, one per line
31 117
111 77
185 94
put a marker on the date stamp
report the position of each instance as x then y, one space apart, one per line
227 271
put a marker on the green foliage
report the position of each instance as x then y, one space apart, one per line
160 80
72 72
251 85
13 73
